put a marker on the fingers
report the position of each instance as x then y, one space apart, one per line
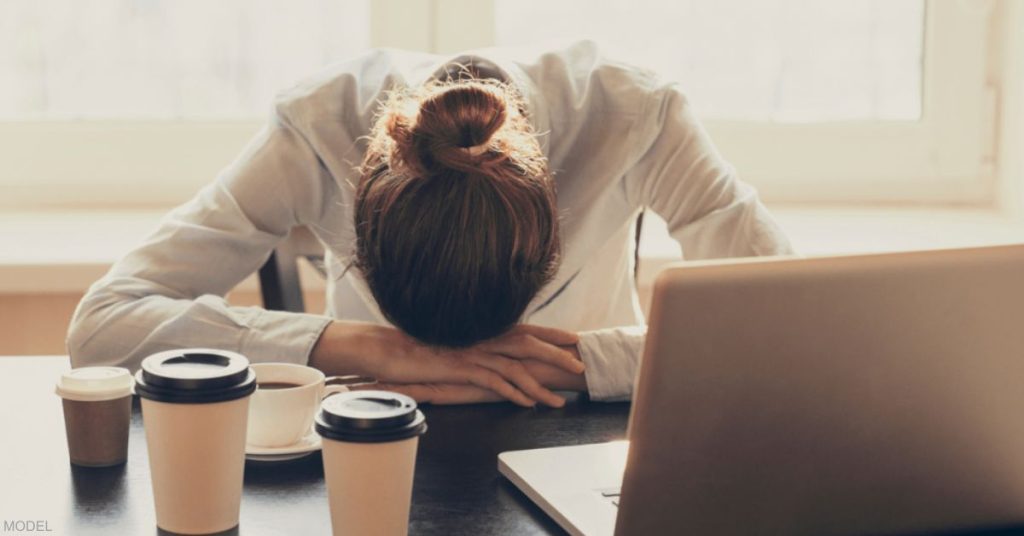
526 346
409 363
451 367
515 372
555 336
481 376
440 393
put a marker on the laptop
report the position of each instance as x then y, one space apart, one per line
879 394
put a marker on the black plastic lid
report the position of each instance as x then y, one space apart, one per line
195 376
369 417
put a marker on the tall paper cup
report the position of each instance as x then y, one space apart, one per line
195 405
369 454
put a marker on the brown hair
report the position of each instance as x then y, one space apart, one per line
455 214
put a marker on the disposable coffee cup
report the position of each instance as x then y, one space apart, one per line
195 404
369 454
97 411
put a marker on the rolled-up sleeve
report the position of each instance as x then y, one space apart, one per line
168 292
612 357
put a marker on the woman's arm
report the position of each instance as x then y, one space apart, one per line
682 177
168 292
710 212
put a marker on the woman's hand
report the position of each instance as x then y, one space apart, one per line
449 393
495 366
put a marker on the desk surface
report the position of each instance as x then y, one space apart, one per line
457 487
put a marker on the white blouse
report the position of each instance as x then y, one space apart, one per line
617 138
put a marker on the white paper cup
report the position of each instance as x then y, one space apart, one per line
281 417
369 453
195 405
196 460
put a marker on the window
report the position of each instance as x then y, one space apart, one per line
813 100
139 102
171 59
771 60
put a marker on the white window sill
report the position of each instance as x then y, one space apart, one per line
837 230
54 252
65 252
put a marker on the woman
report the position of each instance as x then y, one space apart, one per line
455 272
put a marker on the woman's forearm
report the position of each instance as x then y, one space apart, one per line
384 353
342 349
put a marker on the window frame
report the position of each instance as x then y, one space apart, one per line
947 157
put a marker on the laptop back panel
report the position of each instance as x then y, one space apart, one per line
844 395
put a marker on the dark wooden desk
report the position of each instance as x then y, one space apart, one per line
457 488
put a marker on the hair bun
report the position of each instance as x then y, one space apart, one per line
454 126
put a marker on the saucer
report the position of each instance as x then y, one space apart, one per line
309 444
274 458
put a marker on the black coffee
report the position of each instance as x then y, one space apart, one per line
276 385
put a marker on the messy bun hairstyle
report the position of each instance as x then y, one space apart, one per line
455 214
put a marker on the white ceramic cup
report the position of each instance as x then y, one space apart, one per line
282 417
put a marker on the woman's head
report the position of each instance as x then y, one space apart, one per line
455 213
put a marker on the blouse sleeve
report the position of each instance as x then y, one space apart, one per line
709 211
683 178
168 292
